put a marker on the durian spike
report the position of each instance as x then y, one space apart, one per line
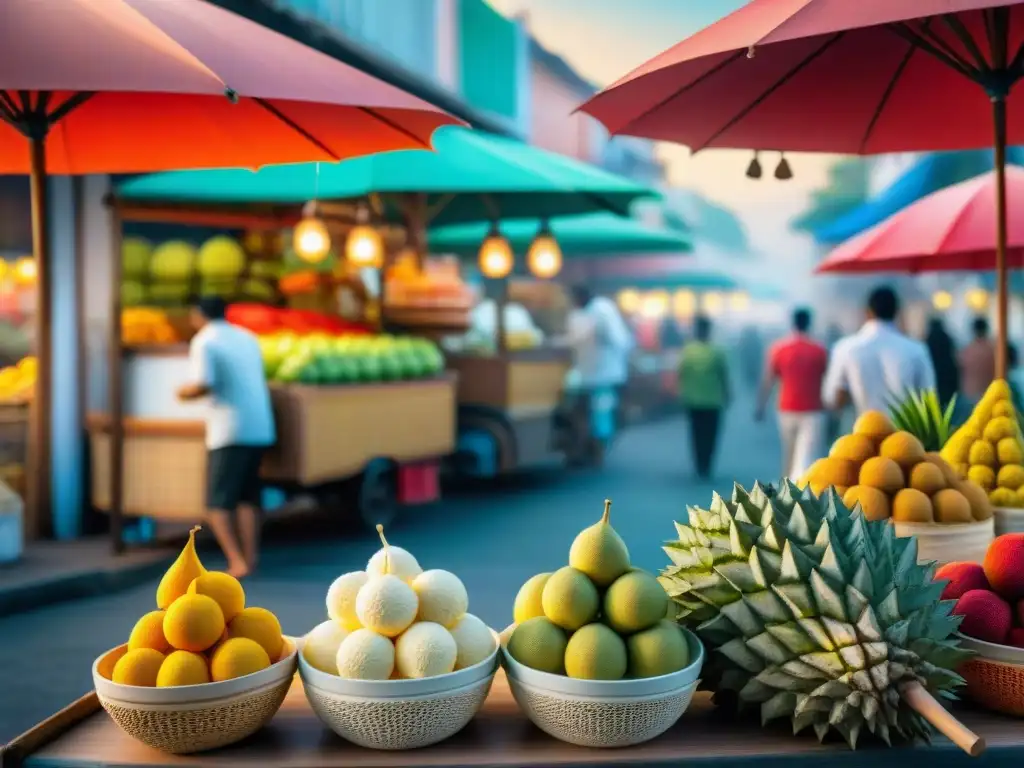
931 710
387 547
605 518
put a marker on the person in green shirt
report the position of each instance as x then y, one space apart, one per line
704 392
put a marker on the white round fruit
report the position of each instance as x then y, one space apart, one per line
425 649
443 598
365 655
387 605
320 648
400 563
341 598
473 640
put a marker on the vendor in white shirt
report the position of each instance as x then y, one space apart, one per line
877 364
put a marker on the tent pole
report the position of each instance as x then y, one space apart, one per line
1002 289
115 386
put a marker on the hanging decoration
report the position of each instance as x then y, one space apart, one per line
496 258
754 169
942 301
544 258
364 246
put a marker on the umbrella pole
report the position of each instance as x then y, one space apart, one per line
1002 290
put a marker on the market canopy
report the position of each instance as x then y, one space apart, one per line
471 176
584 235
693 280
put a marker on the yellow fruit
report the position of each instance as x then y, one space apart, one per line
983 476
998 390
237 657
1000 427
540 644
962 470
634 602
528 599
138 667
874 424
1003 497
595 652
386 603
910 506
148 632
193 623
1019 498
222 587
182 572
903 448
599 552
982 454
881 473
874 504
183 668
1008 451
1003 408
957 449
926 478
260 625
951 506
833 472
855 448
981 507
948 473
570 599
1011 476
657 651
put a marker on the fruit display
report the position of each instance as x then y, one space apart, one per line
812 613
18 382
989 596
988 448
436 285
147 325
888 474
395 620
598 618
201 632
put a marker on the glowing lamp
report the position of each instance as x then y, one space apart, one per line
310 240
977 299
25 271
364 247
628 300
683 303
942 300
544 259
655 304
739 301
496 258
712 303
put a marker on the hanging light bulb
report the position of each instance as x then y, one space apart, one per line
25 271
977 299
629 300
942 300
754 169
782 171
655 304
544 258
683 303
739 301
712 302
310 239
364 246
495 257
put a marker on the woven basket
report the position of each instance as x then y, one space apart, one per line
949 542
399 714
605 713
1008 520
194 718
995 677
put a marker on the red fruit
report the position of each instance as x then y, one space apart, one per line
1016 638
963 577
986 615
1004 565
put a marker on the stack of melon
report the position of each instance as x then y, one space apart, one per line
890 476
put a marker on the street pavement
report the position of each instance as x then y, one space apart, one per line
492 538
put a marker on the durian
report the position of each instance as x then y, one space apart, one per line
813 613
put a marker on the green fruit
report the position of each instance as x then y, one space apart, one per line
599 551
132 293
657 651
634 602
168 293
220 257
570 599
172 261
390 368
528 599
595 652
539 644
257 289
135 255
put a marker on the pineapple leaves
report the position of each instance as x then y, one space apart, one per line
920 413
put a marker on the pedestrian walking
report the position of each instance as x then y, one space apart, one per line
705 393
977 366
942 350
797 363
878 363
227 370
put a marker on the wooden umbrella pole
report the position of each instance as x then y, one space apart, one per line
1002 288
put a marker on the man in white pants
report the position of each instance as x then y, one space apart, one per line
798 363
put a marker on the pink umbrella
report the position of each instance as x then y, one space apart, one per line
949 230
103 86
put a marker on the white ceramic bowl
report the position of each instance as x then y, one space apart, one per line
194 718
949 542
1005 654
605 713
399 714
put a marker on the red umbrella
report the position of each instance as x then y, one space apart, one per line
949 230
103 86
861 77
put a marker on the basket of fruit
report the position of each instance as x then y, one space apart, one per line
201 672
990 597
593 670
399 664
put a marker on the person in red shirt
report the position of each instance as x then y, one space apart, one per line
798 363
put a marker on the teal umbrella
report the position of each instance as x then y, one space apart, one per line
694 280
471 176
588 234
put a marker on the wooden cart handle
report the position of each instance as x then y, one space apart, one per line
931 710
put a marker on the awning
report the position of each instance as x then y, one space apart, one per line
695 281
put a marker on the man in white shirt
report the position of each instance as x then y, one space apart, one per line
877 364
227 368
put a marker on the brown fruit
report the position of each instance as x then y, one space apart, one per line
951 506
903 448
952 478
926 478
912 506
881 473
981 507
834 472
873 503
874 424
855 448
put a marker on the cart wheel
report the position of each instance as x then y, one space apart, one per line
377 498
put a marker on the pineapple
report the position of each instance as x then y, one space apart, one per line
813 613
921 414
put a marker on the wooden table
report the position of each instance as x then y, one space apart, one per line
83 737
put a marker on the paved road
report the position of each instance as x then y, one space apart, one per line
493 539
